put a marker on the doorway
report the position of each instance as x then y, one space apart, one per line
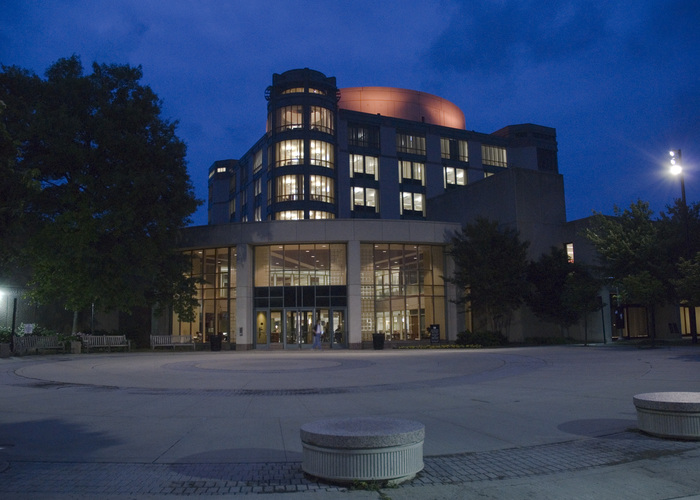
299 328
293 328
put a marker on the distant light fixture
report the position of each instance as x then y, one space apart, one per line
676 167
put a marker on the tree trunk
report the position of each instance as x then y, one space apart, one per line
74 330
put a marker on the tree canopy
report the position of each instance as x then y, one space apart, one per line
100 187
561 291
648 260
491 266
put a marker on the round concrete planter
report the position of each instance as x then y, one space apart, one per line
673 415
346 450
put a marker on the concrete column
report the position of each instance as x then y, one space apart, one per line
453 327
244 296
354 319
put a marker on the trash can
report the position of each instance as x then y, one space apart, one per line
378 341
215 341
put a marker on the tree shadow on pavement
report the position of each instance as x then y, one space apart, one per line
50 440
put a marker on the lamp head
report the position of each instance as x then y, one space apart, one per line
676 168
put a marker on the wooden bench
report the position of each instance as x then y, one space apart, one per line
171 341
674 415
36 343
375 449
105 342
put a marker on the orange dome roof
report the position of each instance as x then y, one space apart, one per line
402 103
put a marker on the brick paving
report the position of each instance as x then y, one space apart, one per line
94 479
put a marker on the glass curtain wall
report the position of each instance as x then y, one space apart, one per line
215 270
295 286
402 290
311 264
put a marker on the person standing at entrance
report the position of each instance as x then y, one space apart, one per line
318 331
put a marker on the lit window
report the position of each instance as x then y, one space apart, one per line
321 188
407 201
322 119
290 215
363 136
317 214
290 188
453 149
257 161
289 118
365 197
289 152
412 202
412 171
410 143
455 176
570 252
361 165
444 147
463 148
358 196
258 213
322 154
493 155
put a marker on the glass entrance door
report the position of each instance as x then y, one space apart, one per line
276 336
333 322
293 328
299 328
339 337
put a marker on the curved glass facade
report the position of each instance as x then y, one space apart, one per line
302 114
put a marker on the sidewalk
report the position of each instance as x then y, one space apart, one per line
549 422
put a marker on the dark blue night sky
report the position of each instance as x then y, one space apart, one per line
619 80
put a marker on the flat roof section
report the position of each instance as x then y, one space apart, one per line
402 103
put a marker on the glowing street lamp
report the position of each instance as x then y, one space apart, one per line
677 169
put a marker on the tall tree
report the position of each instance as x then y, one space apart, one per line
17 183
634 256
113 187
562 291
491 266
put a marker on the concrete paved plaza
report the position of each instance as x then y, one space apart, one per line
546 422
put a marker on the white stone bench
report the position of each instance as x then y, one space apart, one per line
171 341
372 449
673 415
105 342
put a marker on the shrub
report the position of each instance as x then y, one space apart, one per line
5 334
548 340
485 339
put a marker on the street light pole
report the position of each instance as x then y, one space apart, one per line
14 322
677 169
